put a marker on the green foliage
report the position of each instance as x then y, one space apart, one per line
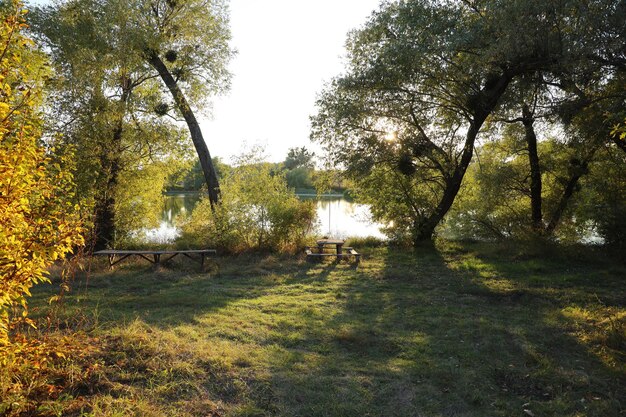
189 177
423 76
192 35
603 197
494 202
258 212
366 242
300 178
140 200
108 94
299 158
396 200
300 168
330 179
39 223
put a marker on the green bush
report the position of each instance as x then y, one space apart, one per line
257 212
365 242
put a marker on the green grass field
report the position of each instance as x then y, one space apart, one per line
461 330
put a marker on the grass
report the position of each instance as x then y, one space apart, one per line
460 330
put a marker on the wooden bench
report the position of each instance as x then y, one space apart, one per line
345 254
154 256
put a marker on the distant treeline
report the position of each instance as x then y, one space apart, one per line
298 168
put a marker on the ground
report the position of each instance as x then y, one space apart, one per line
458 330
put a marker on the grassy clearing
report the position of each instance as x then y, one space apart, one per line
462 330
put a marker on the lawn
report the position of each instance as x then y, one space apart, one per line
460 330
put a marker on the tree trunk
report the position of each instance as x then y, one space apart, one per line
194 128
105 206
576 172
567 194
110 160
487 101
535 170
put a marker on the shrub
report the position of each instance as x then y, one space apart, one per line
257 212
39 223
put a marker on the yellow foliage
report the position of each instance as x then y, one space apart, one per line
38 221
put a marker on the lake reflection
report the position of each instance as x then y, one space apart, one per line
340 218
337 217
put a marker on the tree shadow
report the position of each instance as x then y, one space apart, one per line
423 337
433 332
176 293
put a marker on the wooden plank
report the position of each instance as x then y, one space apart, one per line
153 252
330 242
143 256
156 255
356 255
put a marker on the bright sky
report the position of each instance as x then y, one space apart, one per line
287 49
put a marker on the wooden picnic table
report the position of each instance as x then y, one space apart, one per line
155 255
338 246
336 243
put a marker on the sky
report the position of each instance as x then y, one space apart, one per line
286 50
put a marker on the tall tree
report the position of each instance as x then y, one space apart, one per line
109 104
428 75
299 157
186 43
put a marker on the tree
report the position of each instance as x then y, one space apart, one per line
602 202
113 104
427 75
191 177
527 184
96 91
300 165
495 201
537 105
39 222
184 42
299 157
578 99
192 36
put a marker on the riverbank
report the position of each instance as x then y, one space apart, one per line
301 192
337 216
460 330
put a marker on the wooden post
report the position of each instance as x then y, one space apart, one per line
339 250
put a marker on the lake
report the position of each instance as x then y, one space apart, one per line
337 217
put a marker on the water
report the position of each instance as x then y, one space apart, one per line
337 217
340 218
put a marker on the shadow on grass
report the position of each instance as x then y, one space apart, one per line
432 332
421 336
176 293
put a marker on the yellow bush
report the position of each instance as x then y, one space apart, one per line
38 221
